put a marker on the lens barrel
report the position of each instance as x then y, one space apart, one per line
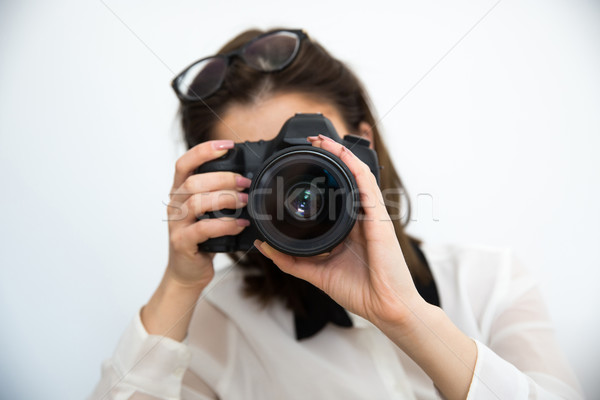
303 201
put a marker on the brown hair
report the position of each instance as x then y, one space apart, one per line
313 72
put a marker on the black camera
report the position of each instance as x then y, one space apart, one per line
303 200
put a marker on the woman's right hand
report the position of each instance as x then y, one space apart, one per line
193 195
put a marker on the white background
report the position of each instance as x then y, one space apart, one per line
499 127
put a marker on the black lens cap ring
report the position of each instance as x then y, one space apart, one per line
308 168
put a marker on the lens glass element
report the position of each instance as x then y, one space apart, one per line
303 200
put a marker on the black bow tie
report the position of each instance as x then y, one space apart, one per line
321 309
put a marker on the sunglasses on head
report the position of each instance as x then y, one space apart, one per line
269 52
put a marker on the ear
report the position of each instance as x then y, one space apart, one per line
365 131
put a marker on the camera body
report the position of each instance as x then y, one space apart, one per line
303 200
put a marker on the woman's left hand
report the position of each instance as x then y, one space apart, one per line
366 274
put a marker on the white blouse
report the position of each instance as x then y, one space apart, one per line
236 350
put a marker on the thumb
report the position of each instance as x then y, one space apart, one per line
300 268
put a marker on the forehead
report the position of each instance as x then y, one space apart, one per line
264 118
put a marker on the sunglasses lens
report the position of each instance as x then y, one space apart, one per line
272 52
203 78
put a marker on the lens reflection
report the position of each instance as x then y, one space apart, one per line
304 201
272 52
204 78
310 197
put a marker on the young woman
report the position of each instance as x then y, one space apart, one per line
382 316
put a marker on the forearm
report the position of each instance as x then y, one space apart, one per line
170 308
445 353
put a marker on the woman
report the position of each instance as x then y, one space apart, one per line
380 316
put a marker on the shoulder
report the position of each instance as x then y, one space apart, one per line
209 325
212 334
471 261
210 316
475 282
224 301
463 251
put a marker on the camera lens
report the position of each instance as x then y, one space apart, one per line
303 201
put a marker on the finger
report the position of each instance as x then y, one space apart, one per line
300 268
356 233
370 194
209 182
201 203
189 237
198 155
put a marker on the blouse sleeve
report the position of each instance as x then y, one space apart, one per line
145 367
522 358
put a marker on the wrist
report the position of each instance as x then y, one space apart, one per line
174 280
170 308
407 326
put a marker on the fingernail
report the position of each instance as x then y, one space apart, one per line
222 144
242 182
312 138
243 197
242 222
323 137
265 248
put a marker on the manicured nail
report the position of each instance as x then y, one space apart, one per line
243 197
222 144
242 182
264 248
242 222
312 138
323 137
